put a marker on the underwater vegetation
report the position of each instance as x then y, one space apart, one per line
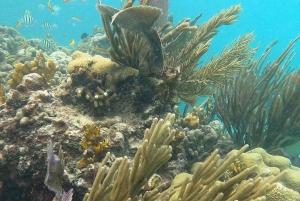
267 113
177 49
114 117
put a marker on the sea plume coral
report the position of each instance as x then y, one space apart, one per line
266 114
123 179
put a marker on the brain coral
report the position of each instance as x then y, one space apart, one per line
273 165
281 193
101 67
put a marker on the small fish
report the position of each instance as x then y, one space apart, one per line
72 42
18 24
67 1
27 12
27 20
82 1
46 44
76 19
47 25
48 35
66 35
84 35
50 7
101 49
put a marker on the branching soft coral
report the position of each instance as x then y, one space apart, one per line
261 105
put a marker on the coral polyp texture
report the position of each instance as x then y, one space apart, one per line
100 67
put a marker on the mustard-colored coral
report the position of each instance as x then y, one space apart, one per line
234 169
39 65
2 94
49 71
79 60
18 73
100 67
191 121
92 145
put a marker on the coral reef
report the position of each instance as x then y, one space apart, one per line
10 40
92 145
199 143
55 170
281 193
61 59
204 182
39 65
97 108
95 44
96 78
108 182
155 147
4 67
272 165
2 94
177 51
29 118
99 66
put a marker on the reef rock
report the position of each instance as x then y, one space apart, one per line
33 81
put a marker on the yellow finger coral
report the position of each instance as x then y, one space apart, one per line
92 145
39 65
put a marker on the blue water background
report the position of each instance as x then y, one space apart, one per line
269 19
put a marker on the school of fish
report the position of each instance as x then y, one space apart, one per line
28 20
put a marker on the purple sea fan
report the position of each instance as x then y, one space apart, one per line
164 5
68 196
55 170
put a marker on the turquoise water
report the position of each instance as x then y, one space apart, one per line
269 19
